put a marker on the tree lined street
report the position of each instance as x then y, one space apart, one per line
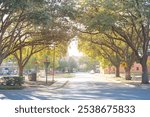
84 86
35 38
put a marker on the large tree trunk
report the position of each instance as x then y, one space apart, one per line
20 70
1 60
117 71
128 73
145 78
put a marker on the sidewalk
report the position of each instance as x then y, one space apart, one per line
41 83
135 81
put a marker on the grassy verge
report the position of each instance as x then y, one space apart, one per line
2 87
65 75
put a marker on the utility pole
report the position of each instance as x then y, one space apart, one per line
53 63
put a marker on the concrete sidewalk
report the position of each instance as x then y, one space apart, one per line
133 82
41 83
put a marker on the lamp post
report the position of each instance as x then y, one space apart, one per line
53 62
46 64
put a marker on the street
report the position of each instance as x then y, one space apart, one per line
83 86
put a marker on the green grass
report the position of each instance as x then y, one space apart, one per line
2 87
65 75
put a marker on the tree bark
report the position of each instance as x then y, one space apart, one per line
145 78
128 73
20 70
1 60
117 71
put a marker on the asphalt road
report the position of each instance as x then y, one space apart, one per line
84 86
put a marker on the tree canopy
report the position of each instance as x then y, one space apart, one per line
118 28
128 21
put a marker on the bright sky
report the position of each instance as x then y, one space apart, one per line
73 49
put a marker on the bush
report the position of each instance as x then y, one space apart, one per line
12 81
17 87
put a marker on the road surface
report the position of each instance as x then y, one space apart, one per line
84 86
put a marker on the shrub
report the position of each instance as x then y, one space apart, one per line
17 87
12 80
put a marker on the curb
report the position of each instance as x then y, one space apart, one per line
58 87
54 85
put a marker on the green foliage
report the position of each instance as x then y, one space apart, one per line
26 22
2 87
15 26
63 64
125 25
40 18
10 81
87 64
72 64
68 65
97 48
68 9
48 54
101 22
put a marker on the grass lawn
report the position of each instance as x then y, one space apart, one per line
2 87
64 75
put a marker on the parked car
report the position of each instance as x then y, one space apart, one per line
92 72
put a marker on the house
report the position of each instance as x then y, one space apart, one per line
136 68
